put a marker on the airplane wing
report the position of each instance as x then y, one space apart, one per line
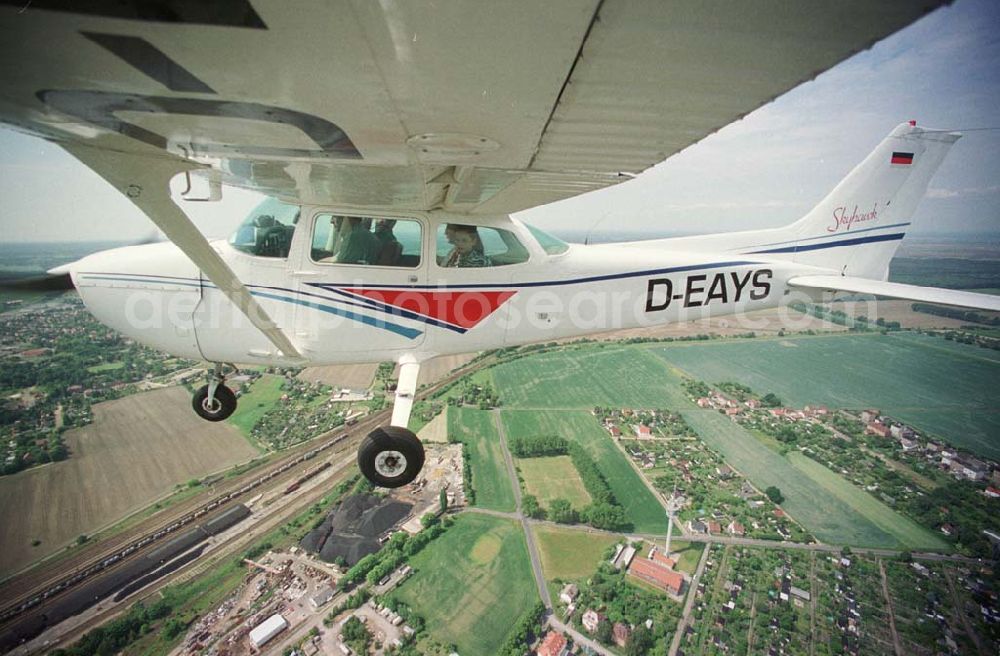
474 107
899 290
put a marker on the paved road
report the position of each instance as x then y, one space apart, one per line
578 637
686 615
746 542
536 563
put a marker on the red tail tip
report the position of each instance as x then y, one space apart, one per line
913 122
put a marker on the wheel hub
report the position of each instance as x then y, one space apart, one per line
390 463
211 405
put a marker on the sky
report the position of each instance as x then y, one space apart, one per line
765 170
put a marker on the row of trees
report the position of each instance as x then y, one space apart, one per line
374 567
604 511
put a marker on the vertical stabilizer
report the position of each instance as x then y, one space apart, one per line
856 229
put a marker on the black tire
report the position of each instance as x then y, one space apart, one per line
225 403
391 456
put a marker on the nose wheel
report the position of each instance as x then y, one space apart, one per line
391 456
215 401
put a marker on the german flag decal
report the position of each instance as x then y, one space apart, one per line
902 158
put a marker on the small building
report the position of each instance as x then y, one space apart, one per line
591 618
714 528
642 430
266 630
724 472
620 634
800 593
623 556
992 492
615 431
868 416
878 428
553 644
658 556
735 528
697 526
322 597
568 593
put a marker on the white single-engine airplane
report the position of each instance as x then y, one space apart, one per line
394 139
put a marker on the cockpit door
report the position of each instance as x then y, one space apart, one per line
356 282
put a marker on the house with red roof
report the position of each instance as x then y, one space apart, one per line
554 644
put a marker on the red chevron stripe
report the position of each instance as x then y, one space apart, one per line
464 309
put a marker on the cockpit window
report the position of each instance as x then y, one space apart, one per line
467 246
366 240
267 230
550 244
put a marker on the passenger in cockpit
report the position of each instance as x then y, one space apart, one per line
467 248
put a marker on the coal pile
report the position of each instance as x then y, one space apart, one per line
351 531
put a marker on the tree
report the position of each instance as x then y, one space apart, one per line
356 635
774 494
906 557
443 500
561 511
529 504
639 643
604 632
769 400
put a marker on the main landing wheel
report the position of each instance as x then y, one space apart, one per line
391 456
219 408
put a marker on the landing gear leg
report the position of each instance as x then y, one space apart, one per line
215 401
393 456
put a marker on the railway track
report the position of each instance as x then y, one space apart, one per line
35 588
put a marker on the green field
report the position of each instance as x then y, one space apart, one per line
477 430
472 584
553 478
107 366
934 384
641 507
905 530
568 554
263 394
582 378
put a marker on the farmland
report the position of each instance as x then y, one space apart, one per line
263 394
472 584
553 478
642 509
582 378
136 450
476 429
933 384
903 529
557 381
567 554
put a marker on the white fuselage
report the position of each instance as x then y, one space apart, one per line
343 313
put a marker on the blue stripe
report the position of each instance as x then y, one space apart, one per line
329 286
853 232
836 244
409 333
172 281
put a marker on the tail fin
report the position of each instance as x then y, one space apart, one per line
856 229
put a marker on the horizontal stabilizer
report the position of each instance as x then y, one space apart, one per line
898 290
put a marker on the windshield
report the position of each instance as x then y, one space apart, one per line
267 230
550 244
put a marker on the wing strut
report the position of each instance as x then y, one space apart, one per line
145 180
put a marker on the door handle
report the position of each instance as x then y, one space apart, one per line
305 274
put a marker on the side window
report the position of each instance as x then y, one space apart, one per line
460 245
267 230
338 239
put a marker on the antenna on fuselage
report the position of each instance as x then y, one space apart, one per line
586 240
